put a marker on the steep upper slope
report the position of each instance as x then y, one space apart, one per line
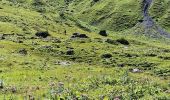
115 15
112 15
147 26
119 15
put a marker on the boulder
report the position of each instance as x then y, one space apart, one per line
103 33
42 34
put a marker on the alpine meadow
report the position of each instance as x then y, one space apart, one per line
84 49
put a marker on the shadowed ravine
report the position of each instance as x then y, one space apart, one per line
147 26
146 5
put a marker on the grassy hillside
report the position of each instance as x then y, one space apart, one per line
121 65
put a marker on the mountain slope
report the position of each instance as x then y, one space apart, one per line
74 61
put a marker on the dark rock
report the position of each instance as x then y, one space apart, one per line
83 36
70 52
19 41
141 20
78 35
121 65
107 55
42 34
123 41
23 51
103 33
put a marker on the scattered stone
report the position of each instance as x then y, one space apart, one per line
60 87
64 63
167 91
60 84
23 51
13 89
123 41
117 98
135 70
31 97
70 52
107 55
2 37
121 65
103 33
55 40
126 47
35 43
42 34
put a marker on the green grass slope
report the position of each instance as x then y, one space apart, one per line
123 66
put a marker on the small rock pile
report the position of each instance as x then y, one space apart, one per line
79 35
